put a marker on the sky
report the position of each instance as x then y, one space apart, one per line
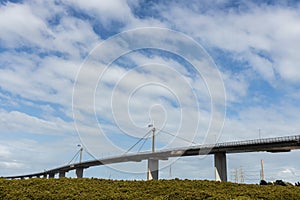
97 73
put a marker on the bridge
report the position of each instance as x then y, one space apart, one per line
219 150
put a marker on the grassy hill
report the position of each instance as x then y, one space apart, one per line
163 189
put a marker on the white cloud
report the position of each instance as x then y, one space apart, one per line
236 87
19 29
18 122
11 165
273 121
4 152
51 82
272 29
108 11
31 28
263 66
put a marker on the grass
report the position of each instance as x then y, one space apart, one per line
67 188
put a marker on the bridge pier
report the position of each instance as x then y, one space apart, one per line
52 175
62 174
152 170
79 172
220 167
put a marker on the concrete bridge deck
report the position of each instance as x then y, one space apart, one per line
274 145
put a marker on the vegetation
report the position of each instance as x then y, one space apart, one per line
67 188
277 182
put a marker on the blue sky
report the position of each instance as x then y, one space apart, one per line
45 45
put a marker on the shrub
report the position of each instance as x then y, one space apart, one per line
280 182
263 182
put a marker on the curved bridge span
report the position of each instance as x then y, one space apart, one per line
219 150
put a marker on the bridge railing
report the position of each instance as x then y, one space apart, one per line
295 138
259 141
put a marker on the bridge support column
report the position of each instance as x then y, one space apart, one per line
52 175
152 171
79 172
62 174
220 167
